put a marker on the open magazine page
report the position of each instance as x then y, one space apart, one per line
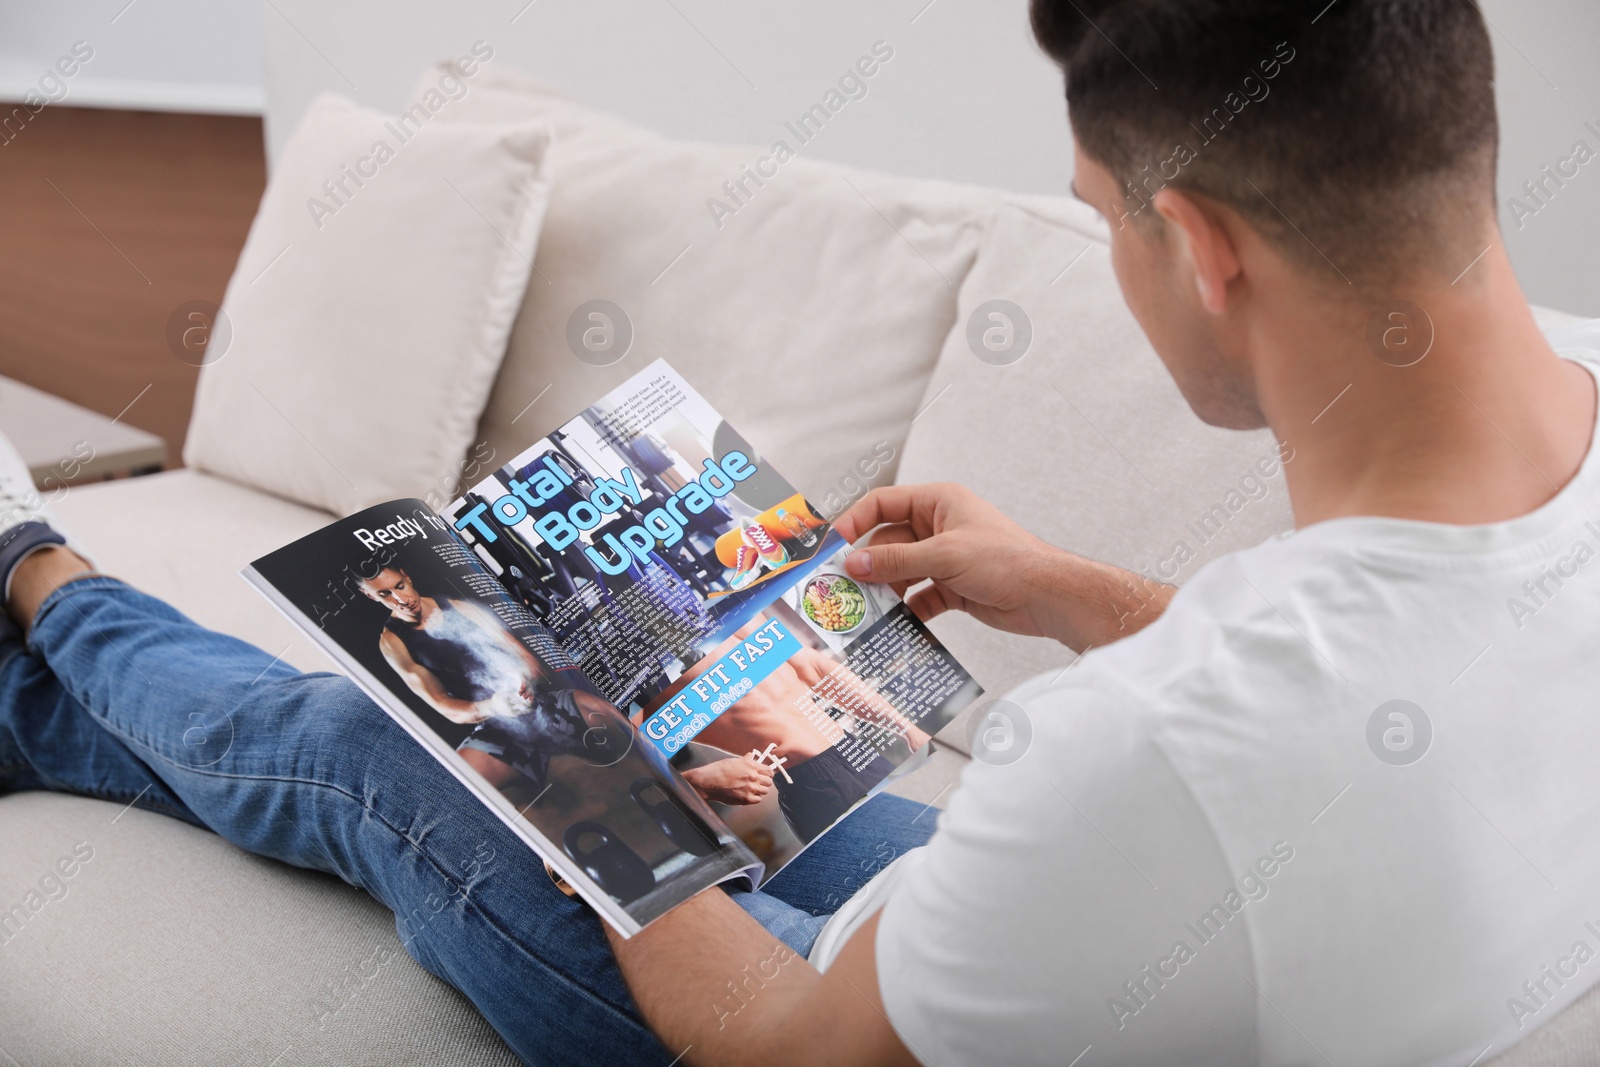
414 617
704 596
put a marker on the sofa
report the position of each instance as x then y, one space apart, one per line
839 317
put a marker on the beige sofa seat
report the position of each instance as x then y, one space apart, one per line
173 947
183 536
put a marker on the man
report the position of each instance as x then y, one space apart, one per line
1215 851
1219 848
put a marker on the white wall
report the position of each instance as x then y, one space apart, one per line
1548 83
967 97
167 55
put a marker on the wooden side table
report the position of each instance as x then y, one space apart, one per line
65 443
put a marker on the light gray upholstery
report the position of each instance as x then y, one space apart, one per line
1571 1039
170 946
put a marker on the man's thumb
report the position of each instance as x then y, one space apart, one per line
904 562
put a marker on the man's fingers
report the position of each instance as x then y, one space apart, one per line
898 533
893 503
929 601
897 562
893 533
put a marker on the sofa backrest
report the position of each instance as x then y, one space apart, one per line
806 301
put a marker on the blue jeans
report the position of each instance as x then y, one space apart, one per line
117 695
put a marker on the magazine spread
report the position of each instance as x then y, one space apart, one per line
637 644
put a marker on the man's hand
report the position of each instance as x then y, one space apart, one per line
980 562
740 780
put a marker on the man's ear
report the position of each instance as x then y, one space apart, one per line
1207 245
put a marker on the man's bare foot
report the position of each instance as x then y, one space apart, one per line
40 575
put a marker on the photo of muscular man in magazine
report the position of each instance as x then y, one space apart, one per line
456 655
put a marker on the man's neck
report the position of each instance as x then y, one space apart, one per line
1487 426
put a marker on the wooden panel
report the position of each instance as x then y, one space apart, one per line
109 220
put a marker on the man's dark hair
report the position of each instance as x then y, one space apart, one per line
1367 125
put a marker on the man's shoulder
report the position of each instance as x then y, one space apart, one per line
1240 620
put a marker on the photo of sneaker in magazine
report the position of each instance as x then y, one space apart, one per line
637 644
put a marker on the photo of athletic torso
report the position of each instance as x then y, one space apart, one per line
807 758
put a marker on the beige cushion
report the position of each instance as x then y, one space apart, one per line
182 536
1571 1039
811 318
171 947
368 324
1085 440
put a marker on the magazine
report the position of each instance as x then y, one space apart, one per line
636 644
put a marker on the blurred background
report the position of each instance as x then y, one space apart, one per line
131 192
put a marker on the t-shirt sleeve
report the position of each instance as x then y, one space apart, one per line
1583 334
1075 897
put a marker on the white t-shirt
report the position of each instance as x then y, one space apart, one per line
1215 850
